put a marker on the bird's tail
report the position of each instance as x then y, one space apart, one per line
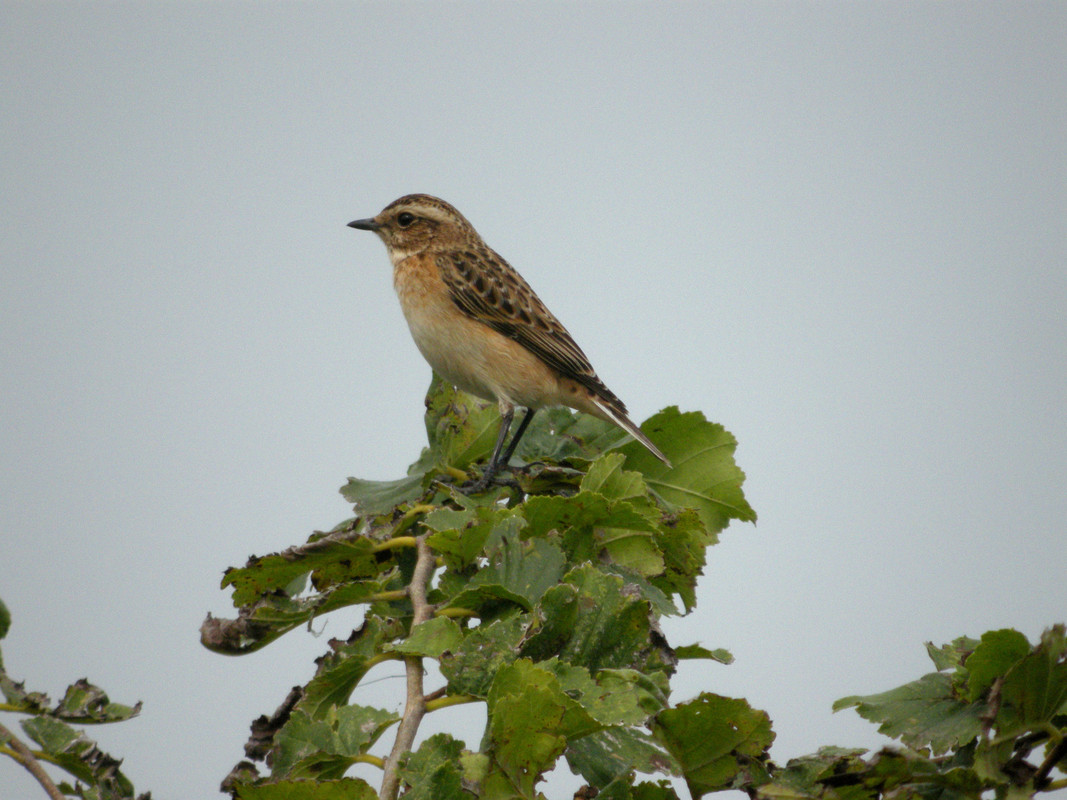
619 418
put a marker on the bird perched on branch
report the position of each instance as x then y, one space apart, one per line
482 327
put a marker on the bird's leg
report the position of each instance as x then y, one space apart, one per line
518 435
507 415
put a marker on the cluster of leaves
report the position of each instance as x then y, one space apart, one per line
540 599
991 721
97 775
543 605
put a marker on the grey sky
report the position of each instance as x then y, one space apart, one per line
838 229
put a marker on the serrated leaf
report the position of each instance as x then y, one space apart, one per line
683 539
713 738
461 536
471 667
610 757
88 704
695 651
1035 688
461 429
580 512
997 652
606 476
342 789
923 713
371 498
343 668
331 559
431 638
530 721
519 573
560 433
952 655
274 615
704 476
614 696
592 524
79 755
433 772
325 747
591 620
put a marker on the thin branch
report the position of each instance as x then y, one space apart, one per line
367 758
459 613
30 762
451 700
435 694
1054 757
416 703
396 541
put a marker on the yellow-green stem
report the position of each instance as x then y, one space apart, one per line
452 700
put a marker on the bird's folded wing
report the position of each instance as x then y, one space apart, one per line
487 289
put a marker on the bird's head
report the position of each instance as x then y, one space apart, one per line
416 223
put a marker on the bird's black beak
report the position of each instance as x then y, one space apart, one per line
364 224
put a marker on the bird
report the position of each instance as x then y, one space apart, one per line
482 328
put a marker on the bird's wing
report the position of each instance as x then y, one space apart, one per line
486 288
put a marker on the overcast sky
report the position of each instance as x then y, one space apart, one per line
839 229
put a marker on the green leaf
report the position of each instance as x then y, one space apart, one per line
1035 689
89 704
802 777
662 605
461 535
325 747
343 668
592 523
433 771
714 739
580 513
704 476
593 620
530 721
559 433
274 615
695 651
330 558
519 572
683 539
74 752
992 658
471 667
431 638
607 477
379 497
923 713
660 790
460 428
607 759
952 655
615 696
5 621
342 789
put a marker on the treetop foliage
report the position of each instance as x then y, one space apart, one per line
540 600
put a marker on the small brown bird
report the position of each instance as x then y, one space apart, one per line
481 326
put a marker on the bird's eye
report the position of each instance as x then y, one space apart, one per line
405 219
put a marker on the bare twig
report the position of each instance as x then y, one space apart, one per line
1041 778
416 702
30 762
